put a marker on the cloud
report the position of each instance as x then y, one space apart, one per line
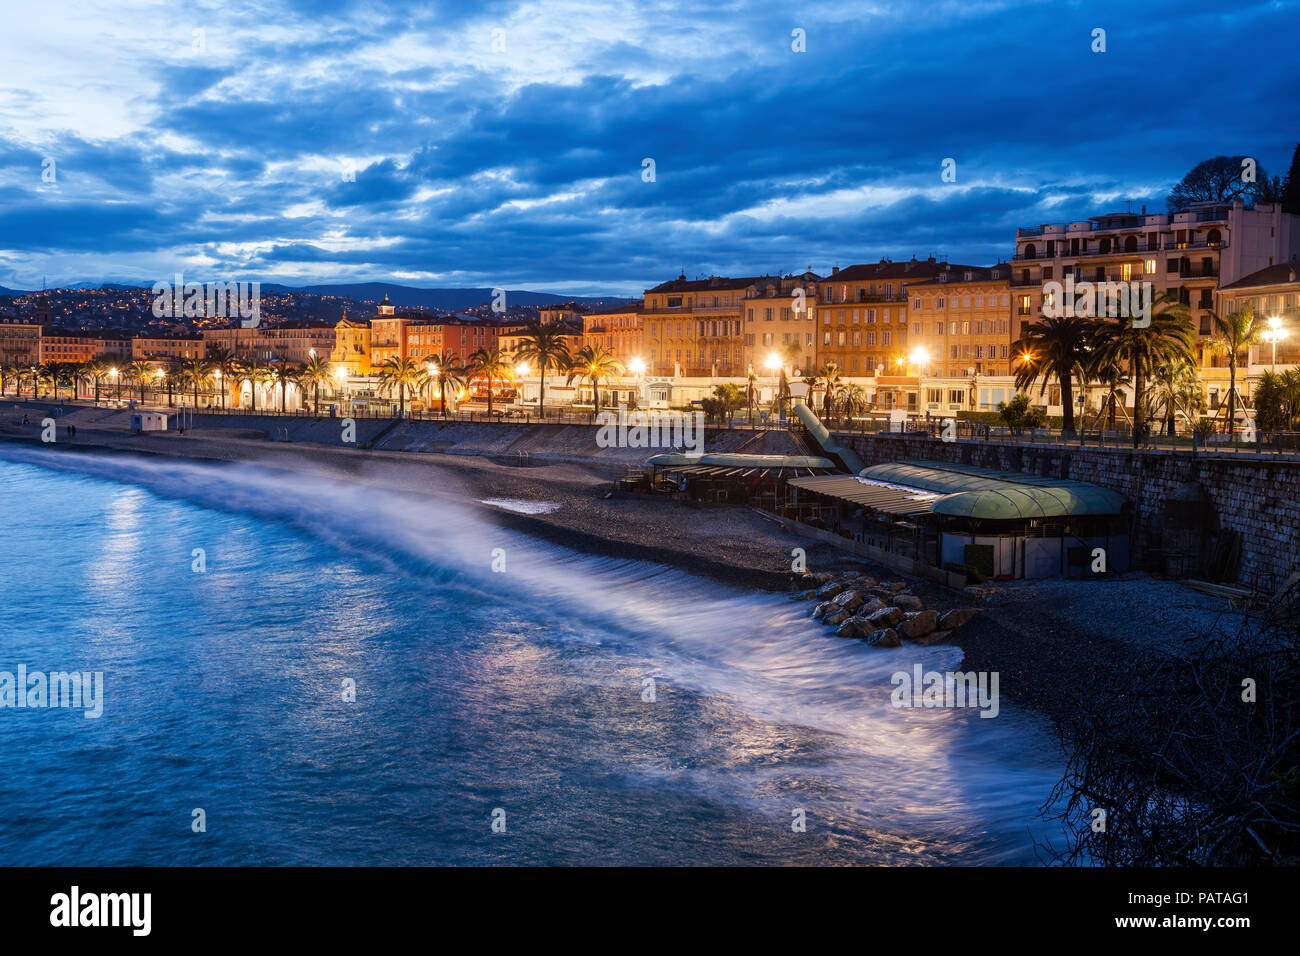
522 166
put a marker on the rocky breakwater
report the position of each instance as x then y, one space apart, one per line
883 614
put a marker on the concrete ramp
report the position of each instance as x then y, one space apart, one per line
829 446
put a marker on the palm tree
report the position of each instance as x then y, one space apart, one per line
491 364
1175 388
227 365
1168 337
94 372
446 370
751 392
196 371
283 374
549 349
313 373
8 370
1277 400
1234 334
1055 347
255 373
830 374
401 374
141 373
1113 379
854 400
596 365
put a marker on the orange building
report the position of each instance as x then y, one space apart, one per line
694 327
20 342
459 336
960 327
616 329
167 348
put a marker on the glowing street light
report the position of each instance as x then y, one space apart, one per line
521 368
773 362
919 358
636 366
1274 335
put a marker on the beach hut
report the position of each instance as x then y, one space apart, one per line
148 422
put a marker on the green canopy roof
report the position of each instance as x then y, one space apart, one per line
971 492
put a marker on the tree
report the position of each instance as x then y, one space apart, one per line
1175 388
751 392
446 371
227 365
401 374
141 373
1291 185
492 364
830 374
1234 334
723 403
853 400
1019 414
196 372
1054 347
316 370
1168 337
1216 180
95 371
549 349
254 373
596 365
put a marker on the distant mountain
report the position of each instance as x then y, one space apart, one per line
451 300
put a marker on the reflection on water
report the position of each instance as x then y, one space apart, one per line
616 711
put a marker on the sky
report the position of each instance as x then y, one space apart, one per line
511 145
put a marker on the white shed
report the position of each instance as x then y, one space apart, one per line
148 422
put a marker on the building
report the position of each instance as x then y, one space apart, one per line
294 342
167 348
862 317
460 336
959 338
20 343
694 328
511 339
618 330
70 345
351 350
1186 254
781 321
1275 293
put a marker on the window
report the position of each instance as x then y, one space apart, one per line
916 303
938 328
885 338
938 303
1126 272
1024 305
871 316
1149 267
871 338
955 396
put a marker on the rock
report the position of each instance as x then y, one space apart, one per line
867 582
974 592
821 610
908 601
919 624
885 617
803 596
839 617
850 628
849 600
849 575
871 606
895 586
886 638
957 617
829 590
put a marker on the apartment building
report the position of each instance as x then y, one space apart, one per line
1187 254
694 328
781 321
20 342
64 345
960 340
862 313
459 336
617 329
167 348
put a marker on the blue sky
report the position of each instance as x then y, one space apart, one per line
523 168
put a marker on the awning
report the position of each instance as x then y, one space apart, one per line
909 488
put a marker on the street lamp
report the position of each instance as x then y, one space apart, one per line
919 358
112 373
1274 335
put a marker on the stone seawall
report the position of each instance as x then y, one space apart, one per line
1181 502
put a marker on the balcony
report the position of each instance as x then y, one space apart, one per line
1169 245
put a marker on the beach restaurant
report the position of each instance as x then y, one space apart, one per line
734 479
996 524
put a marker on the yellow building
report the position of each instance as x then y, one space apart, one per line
20 342
616 329
694 327
962 328
167 348
781 321
351 347
1275 294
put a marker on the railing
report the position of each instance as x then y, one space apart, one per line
1281 445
